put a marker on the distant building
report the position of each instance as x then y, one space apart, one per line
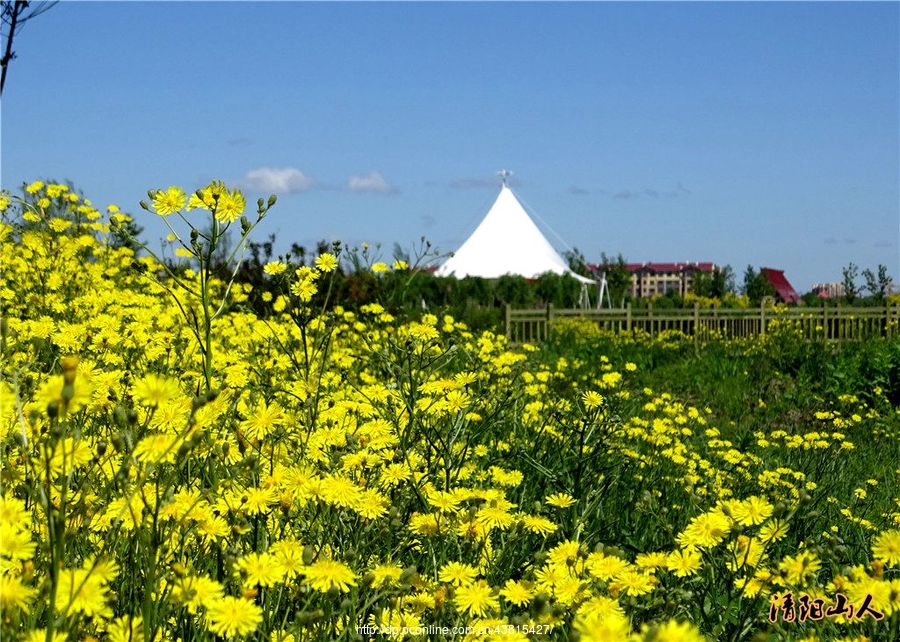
652 279
783 288
829 290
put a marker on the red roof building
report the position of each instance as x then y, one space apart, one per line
783 288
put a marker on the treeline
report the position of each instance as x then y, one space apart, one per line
415 290
411 290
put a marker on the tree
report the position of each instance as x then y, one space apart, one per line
14 14
576 261
885 282
756 285
715 284
850 274
618 278
878 285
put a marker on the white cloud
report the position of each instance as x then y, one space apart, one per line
371 182
281 180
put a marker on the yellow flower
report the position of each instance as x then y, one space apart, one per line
85 589
560 500
633 583
752 511
126 629
887 547
169 201
476 599
605 567
651 561
798 567
386 575
705 530
538 524
206 197
40 635
230 205
673 631
773 531
517 593
274 268
326 262
684 562
153 390
261 569
603 626
304 290
592 399
14 594
458 574
233 616
325 574
380 267
262 420
196 592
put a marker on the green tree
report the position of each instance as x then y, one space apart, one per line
715 284
850 274
878 285
756 285
618 278
577 263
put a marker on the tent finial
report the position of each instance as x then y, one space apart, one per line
504 174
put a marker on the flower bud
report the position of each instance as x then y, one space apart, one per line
69 364
308 617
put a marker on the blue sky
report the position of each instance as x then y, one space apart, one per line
737 133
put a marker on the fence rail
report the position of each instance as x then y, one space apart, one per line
828 323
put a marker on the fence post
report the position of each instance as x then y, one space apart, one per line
696 322
649 327
837 322
547 322
887 319
628 317
508 323
762 317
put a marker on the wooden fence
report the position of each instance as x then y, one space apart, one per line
828 323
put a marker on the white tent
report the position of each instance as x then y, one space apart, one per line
506 242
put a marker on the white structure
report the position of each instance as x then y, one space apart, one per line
506 242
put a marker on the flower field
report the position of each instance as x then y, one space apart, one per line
177 467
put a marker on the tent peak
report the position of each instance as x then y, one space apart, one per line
507 241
